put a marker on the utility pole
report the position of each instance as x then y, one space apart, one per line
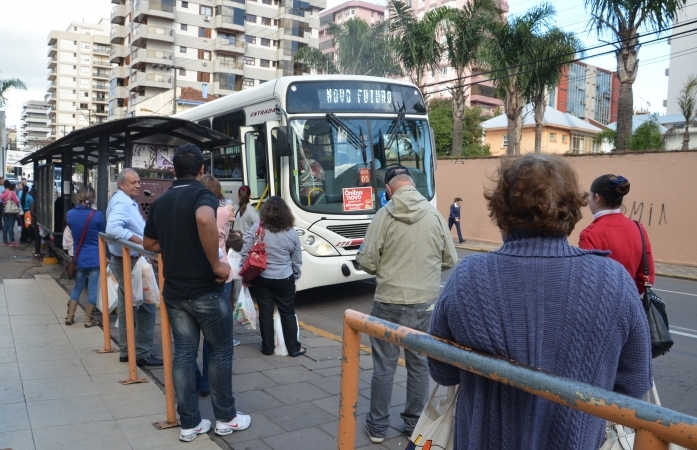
174 94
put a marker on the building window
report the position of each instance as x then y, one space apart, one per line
84 69
182 72
185 4
266 2
182 49
250 18
85 58
338 17
248 82
85 45
504 143
553 137
83 105
266 21
203 77
265 42
84 93
249 61
204 54
184 27
205 10
84 82
353 12
563 139
264 63
250 39
204 32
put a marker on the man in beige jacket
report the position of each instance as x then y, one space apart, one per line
406 247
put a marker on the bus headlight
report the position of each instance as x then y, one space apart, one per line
324 249
317 246
310 240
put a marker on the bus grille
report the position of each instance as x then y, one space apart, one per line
356 231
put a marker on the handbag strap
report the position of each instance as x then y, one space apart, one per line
259 235
84 231
643 254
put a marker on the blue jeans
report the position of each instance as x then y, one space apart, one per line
202 374
89 275
8 226
385 356
212 315
144 317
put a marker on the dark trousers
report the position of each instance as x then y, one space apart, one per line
452 222
267 293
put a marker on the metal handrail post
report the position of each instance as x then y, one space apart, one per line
130 325
348 401
106 325
166 354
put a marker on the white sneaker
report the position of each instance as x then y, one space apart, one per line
190 434
239 423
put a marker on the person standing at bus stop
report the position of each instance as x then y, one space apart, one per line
124 221
182 226
406 247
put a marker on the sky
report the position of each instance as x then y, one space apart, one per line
25 25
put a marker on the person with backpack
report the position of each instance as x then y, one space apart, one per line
9 215
25 202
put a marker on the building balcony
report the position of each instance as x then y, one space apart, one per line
101 49
143 56
143 9
101 112
118 34
52 74
101 63
225 45
235 67
151 80
119 14
228 23
118 53
33 129
100 73
119 92
118 113
119 72
52 86
116 2
151 32
52 62
98 99
52 50
100 86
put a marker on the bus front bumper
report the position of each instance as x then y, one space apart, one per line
325 271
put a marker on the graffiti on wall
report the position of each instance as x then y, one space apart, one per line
152 157
636 212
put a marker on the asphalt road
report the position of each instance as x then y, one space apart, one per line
675 373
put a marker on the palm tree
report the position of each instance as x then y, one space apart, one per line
507 54
313 58
465 32
623 19
6 85
418 47
687 101
555 50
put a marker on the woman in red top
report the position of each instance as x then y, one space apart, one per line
611 230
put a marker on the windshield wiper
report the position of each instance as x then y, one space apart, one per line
394 129
351 136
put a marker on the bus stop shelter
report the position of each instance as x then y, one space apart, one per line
104 146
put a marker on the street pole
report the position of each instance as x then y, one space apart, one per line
174 94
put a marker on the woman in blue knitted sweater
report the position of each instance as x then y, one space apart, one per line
544 303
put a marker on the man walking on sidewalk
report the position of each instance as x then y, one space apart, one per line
406 247
182 226
124 221
454 218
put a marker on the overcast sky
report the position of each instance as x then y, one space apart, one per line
25 25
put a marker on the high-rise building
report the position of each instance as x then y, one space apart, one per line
588 92
215 46
79 76
681 63
369 12
36 127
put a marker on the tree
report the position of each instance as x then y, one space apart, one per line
313 58
507 54
418 48
687 102
555 50
623 19
647 136
465 32
6 85
440 114
608 135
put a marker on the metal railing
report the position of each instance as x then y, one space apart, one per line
127 247
655 426
153 29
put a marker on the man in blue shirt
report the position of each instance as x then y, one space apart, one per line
124 221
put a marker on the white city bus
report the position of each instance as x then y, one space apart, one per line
322 143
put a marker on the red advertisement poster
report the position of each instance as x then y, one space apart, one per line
358 198
363 176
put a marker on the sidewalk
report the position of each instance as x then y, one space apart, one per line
57 393
664 270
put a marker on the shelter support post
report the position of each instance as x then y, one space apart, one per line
103 173
66 187
106 326
130 320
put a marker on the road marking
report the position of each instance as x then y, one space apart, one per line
674 292
683 334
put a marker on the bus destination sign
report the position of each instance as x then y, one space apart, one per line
336 96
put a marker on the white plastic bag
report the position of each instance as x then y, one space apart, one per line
151 291
235 261
137 282
112 286
279 342
436 426
245 314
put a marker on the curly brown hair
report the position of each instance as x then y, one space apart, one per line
276 216
538 194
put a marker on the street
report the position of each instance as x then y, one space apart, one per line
674 373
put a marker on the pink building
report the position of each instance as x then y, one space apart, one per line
369 12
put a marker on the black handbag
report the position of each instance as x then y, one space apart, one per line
661 340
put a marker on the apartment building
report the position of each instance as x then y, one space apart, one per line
78 76
217 46
369 12
681 63
588 92
36 126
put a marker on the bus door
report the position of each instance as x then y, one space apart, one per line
255 161
277 178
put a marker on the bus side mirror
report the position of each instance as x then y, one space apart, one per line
282 141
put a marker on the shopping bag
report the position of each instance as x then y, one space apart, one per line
436 426
278 339
151 291
235 261
137 282
112 286
245 314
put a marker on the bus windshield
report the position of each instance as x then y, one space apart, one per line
339 164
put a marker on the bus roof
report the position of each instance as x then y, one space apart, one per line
267 91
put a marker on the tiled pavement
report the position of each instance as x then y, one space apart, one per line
56 392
